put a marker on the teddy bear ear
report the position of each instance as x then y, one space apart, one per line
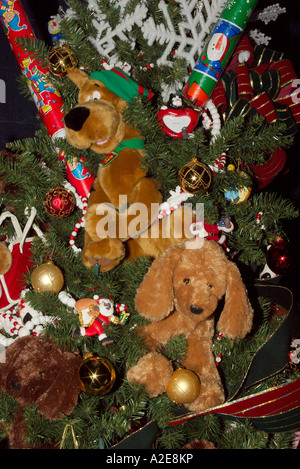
79 77
237 315
154 297
5 259
61 396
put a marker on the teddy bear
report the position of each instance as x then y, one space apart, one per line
36 371
179 295
123 204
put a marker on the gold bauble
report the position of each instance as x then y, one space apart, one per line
195 176
184 386
96 375
47 278
62 60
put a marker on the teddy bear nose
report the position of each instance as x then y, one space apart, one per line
195 309
75 119
14 385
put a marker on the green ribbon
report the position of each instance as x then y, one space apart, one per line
273 356
137 143
134 143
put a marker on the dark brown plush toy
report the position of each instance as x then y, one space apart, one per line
35 371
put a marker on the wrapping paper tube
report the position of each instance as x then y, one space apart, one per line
218 50
48 100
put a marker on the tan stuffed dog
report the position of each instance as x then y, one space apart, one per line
179 295
121 186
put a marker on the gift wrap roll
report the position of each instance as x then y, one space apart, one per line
47 99
218 50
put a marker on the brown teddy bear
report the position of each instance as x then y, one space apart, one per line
124 203
35 371
179 295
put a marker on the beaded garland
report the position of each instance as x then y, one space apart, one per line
15 322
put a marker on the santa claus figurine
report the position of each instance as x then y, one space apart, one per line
213 231
94 316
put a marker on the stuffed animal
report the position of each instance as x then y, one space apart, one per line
35 371
124 202
179 295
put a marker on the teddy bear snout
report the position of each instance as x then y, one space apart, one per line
195 309
75 119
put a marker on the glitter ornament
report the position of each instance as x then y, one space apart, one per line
62 61
96 375
195 176
183 387
47 278
59 202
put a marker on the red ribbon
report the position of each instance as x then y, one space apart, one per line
268 404
262 102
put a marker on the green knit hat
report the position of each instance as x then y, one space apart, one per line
121 84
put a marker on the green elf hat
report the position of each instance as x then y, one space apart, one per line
121 84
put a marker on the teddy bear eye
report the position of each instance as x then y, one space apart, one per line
96 95
186 280
209 285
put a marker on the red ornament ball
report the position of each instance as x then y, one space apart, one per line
279 257
59 202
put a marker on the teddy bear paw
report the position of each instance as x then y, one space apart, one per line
107 253
206 401
154 371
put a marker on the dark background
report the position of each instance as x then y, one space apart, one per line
18 115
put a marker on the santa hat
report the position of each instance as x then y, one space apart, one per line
121 84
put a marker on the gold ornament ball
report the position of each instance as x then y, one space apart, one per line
96 375
184 386
47 278
62 60
195 176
